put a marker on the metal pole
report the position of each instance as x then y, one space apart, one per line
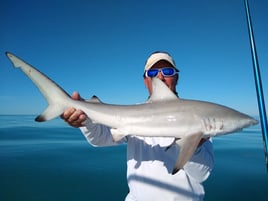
258 83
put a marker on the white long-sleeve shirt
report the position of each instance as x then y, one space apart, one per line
150 162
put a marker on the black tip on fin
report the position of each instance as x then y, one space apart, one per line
39 118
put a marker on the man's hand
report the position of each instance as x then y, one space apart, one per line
72 116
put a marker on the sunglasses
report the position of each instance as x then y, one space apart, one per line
166 72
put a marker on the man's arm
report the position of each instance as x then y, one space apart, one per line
201 163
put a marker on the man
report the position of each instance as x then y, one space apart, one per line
151 160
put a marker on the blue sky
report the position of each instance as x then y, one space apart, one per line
99 47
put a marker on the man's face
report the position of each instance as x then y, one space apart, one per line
169 81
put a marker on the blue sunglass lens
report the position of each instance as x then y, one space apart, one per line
152 72
168 71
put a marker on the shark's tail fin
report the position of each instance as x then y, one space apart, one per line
51 112
56 97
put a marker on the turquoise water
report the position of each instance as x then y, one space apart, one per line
51 161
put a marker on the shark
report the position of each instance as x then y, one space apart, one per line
162 115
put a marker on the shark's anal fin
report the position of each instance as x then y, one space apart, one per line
187 147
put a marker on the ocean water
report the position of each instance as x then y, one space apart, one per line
52 161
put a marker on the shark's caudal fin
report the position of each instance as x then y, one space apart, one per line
51 112
54 94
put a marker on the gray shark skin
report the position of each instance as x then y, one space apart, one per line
163 115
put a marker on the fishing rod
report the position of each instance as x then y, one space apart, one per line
258 84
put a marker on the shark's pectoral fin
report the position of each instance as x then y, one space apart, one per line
118 133
187 146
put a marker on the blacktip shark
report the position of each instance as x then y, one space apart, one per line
163 115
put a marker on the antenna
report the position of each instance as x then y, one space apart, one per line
258 83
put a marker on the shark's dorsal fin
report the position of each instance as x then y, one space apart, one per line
160 91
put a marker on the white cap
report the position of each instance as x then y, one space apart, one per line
157 56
